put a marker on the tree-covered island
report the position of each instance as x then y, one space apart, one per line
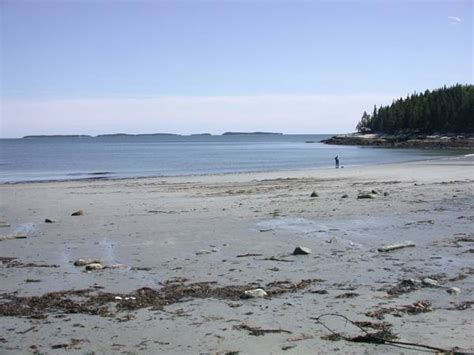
440 118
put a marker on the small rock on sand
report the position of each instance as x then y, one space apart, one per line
453 290
314 194
94 267
345 196
255 293
427 282
301 251
47 220
84 262
365 196
78 213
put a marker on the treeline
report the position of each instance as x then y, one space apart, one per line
448 109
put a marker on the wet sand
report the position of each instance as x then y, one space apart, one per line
183 243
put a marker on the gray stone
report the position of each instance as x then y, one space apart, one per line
427 282
453 290
255 293
94 267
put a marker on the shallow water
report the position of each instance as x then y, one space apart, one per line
41 159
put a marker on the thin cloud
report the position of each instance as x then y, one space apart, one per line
454 20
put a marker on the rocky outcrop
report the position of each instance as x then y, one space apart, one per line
405 140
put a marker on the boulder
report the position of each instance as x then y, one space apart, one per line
255 293
301 251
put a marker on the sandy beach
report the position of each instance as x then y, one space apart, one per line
179 253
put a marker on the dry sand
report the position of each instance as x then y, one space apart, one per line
171 233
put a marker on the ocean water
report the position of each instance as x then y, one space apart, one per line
44 159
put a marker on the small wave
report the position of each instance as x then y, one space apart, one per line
94 173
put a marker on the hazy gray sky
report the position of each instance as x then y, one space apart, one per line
90 67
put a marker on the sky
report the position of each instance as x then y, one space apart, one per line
143 66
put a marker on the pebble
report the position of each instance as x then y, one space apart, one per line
453 290
78 213
301 251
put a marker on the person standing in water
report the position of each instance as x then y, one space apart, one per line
337 161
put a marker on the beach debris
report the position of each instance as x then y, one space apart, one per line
301 251
397 246
274 258
78 213
248 254
365 195
331 240
14 236
412 309
4 224
94 267
405 286
84 262
453 290
427 282
345 196
319 292
314 194
384 335
255 293
47 220
203 252
116 266
95 302
257 331
13 262
348 295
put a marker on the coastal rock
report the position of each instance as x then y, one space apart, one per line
453 290
78 213
94 267
314 194
255 293
427 282
301 251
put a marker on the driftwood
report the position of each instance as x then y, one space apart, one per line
383 336
396 246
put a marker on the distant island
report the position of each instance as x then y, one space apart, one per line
136 135
442 118
250 133
58 136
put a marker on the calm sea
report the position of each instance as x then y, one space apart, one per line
42 159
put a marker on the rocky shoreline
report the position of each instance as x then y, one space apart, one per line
462 141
